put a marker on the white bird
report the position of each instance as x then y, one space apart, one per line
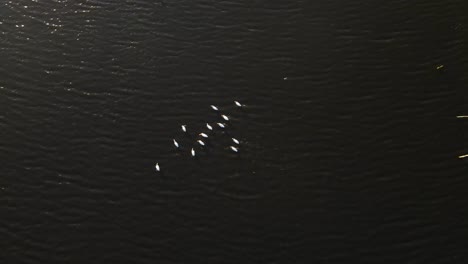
225 117
201 142
203 135
157 167
221 125
175 143
235 141
209 127
238 104
214 107
193 152
184 128
234 149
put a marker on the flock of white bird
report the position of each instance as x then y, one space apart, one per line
203 135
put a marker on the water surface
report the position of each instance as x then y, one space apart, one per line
349 140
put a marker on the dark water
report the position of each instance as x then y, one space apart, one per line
350 159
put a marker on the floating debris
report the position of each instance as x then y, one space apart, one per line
440 67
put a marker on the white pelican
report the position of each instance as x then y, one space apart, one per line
201 142
193 152
234 149
214 107
238 104
209 127
175 143
221 125
225 117
157 167
184 128
203 135
235 141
